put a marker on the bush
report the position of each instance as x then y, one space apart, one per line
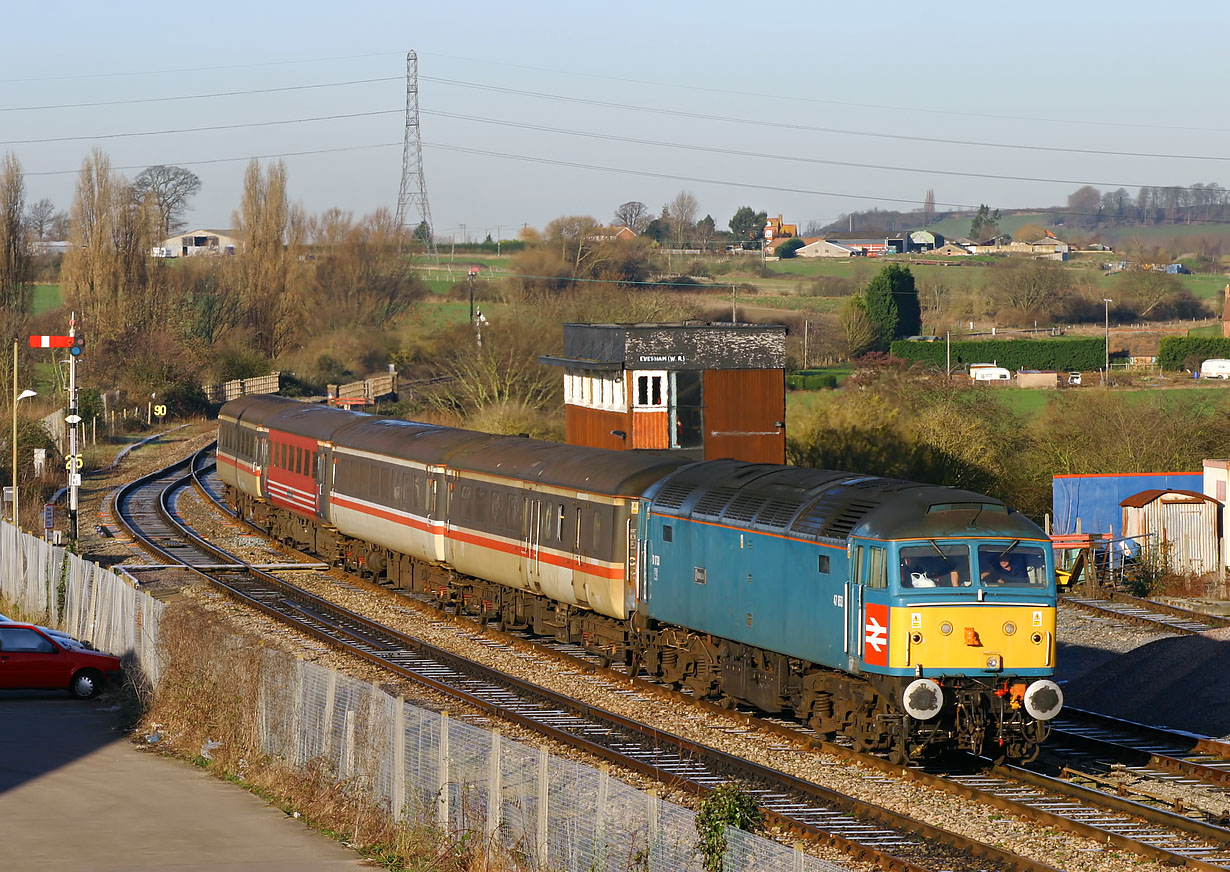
789 247
1047 354
1177 352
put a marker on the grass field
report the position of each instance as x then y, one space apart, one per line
47 298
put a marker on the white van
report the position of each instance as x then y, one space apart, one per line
988 372
1215 368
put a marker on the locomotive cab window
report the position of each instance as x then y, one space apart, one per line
1012 566
822 561
877 568
935 565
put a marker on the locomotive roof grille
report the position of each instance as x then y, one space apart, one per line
847 519
674 494
777 513
713 502
744 507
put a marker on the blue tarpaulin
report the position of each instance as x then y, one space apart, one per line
1095 499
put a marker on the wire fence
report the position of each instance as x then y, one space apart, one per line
537 809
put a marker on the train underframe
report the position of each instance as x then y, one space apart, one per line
979 717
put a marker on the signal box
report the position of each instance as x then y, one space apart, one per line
706 391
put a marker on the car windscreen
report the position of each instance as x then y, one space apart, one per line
934 564
1012 565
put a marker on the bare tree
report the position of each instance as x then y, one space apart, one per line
106 273
16 269
171 188
928 208
263 221
61 225
634 214
682 211
38 218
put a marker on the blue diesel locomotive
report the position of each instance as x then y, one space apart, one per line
912 618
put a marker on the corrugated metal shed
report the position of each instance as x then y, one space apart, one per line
1183 524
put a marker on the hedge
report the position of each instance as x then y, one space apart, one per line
1057 354
1173 351
811 382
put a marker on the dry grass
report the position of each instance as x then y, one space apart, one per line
205 709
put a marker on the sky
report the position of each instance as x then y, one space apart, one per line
535 110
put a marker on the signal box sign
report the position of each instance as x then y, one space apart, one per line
875 634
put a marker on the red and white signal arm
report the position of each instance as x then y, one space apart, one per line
51 342
875 634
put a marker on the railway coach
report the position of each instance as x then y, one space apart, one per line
911 617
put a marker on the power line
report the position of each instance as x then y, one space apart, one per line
796 98
94 136
785 157
199 96
197 69
782 125
672 176
221 160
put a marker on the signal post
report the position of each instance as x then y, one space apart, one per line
75 343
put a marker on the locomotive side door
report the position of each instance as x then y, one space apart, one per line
867 609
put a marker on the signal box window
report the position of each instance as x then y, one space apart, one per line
649 390
929 566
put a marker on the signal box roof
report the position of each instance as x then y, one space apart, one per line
692 345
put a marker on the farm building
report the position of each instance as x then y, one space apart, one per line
197 242
704 390
1181 528
1035 378
825 248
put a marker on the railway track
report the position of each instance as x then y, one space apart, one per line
1146 613
898 841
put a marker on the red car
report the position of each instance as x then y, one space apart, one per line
31 659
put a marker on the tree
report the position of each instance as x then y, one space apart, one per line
861 334
38 218
170 189
263 270
985 224
1084 205
1030 233
353 274
634 214
656 230
705 230
682 212
789 247
748 224
423 233
16 267
1031 287
928 208
892 305
61 225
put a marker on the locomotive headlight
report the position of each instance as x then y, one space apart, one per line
946 628
1009 628
994 662
922 699
1036 638
1043 699
916 638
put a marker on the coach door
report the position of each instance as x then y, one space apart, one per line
532 521
324 479
260 462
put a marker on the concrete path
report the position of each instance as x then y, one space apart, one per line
74 795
